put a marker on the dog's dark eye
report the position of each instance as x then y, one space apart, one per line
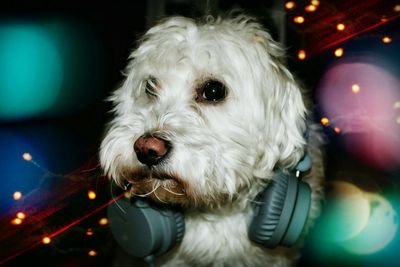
151 86
211 91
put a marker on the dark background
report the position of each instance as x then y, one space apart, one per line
97 38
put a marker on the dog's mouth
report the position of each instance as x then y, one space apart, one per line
160 186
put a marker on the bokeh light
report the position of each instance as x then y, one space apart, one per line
91 194
46 240
299 19
21 215
31 71
301 54
380 230
17 195
341 27
386 39
338 52
290 5
355 223
347 213
103 221
311 8
364 114
92 253
16 221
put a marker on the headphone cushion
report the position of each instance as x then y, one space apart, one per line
268 212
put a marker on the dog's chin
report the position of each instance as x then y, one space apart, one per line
160 186
169 188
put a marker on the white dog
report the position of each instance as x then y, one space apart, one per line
206 115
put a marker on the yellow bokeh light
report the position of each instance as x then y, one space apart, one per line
340 27
396 105
26 156
17 195
355 88
299 19
92 253
325 121
397 8
91 194
311 8
337 130
103 221
301 54
46 240
21 215
386 39
339 52
16 221
315 2
290 5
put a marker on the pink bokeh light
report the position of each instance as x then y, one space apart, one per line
361 97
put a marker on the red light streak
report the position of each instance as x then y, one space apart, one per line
341 40
62 229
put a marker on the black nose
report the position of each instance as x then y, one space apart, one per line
150 150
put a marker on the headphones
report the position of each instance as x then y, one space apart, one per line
144 229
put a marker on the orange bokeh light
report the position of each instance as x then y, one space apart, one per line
299 19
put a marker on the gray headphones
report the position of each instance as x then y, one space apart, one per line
146 230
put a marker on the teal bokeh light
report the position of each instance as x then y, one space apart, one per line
31 71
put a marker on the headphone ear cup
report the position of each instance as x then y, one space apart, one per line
142 229
274 222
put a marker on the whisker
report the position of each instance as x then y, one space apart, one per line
149 193
172 192
113 197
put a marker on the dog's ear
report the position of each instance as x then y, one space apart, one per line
282 129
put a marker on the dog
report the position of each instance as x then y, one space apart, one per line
205 117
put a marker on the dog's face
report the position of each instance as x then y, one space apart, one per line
205 114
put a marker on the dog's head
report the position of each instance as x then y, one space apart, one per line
206 112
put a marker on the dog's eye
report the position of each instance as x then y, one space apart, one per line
151 86
211 91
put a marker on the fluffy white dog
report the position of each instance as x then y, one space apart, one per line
206 115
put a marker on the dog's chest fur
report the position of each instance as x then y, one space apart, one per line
222 240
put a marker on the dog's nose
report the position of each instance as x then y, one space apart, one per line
150 150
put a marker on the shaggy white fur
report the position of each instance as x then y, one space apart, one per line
223 152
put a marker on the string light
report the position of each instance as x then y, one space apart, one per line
340 27
337 130
299 19
21 215
26 156
355 88
325 121
89 232
92 253
46 240
397 8
16 221
301 54
17 195
290 5
386 39
103 221
315 2
91 194
311 8
339 52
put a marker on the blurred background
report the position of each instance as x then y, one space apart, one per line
59 60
